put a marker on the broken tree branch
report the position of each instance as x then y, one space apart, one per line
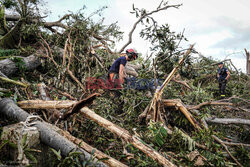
141 18
41 104
178 104
57 23
124 134
208 103
227 121
159 92
68 67
182 83
14 82
222 143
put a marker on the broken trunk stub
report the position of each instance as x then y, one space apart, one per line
15 131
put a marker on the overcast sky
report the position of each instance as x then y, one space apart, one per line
220 28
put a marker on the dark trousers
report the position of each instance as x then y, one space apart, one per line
222 86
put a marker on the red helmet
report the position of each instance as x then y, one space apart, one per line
132 54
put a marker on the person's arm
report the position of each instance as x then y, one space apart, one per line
228 75
218 74
121 73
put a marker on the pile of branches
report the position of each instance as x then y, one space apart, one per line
181 121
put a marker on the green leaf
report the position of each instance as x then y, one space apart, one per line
15 97
31 157
93 152
64 98
12 145
24 139
163 131
75 153
4 143
57 153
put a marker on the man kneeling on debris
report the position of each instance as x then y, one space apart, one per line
222 76
117 70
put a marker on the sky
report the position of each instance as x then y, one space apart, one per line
219 28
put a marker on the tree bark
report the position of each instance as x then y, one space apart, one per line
227 121
8 67
47 135
41 104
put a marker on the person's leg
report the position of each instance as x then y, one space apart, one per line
223 87
220 90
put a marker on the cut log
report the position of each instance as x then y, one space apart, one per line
124 134
227 121
47 135
8 67
41 104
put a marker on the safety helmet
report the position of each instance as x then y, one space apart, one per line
131 53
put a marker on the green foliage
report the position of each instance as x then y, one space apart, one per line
158 133
72 159
182 141
4 53
243 155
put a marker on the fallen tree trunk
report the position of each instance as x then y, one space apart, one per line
41 104
124 134
47 135
227 121
9 67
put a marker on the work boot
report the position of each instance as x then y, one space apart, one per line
222 95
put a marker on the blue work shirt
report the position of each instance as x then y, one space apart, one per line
222 73
116 65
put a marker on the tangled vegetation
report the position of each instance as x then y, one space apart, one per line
66 64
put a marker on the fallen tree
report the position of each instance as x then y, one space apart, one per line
47 135
8 67
120 132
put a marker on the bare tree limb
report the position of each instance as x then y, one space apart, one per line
141 18
208 103
222 143
227 121
36 20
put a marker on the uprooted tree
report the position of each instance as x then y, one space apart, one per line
171 114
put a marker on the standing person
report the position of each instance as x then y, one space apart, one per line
222 76
117 70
